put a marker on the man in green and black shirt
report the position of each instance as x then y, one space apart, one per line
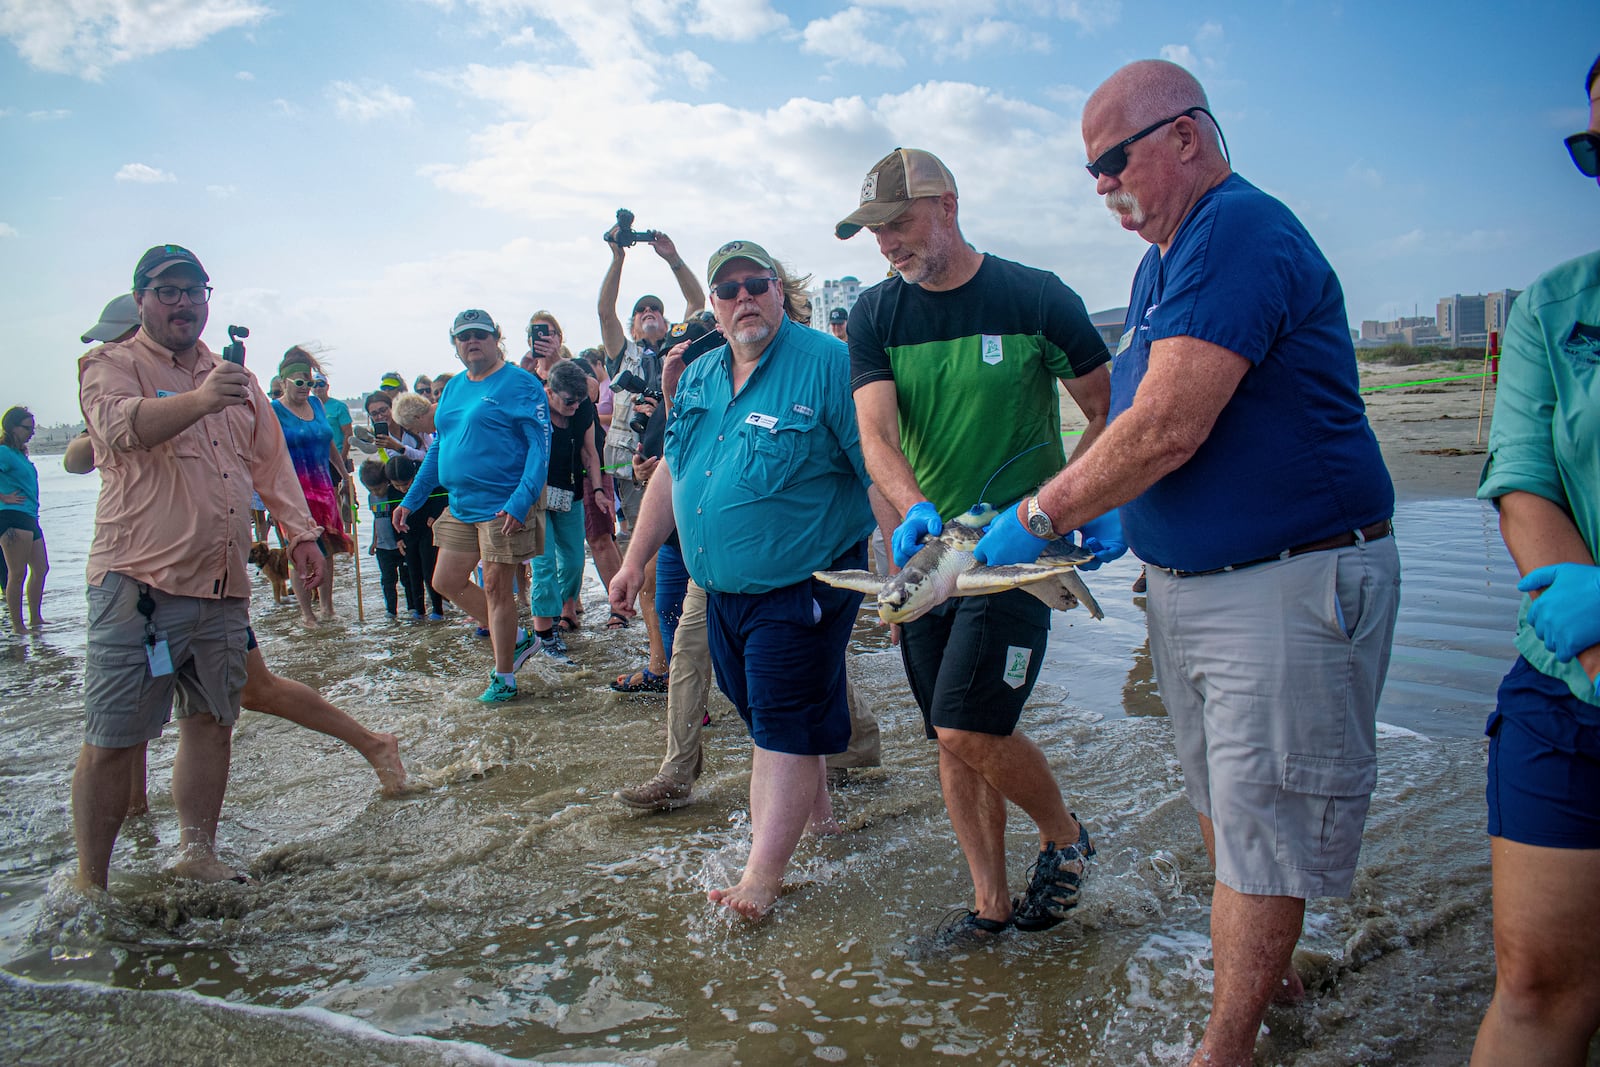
953 364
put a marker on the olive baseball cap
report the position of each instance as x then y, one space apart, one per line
892 184
472 319
739 250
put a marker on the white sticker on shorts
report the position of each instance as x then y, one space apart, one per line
1017 666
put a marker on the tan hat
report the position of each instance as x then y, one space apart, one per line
898 178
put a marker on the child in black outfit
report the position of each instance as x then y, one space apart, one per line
382 498
421 555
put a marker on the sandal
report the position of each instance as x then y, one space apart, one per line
566 624
643 680
617 622
1053 883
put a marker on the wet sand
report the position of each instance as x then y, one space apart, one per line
512 909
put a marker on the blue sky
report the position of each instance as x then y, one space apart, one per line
353 174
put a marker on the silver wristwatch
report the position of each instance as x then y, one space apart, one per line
1038 522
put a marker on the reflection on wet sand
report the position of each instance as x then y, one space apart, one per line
512 905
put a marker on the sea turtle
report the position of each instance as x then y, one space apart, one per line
944 567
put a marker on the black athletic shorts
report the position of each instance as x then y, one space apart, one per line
972 661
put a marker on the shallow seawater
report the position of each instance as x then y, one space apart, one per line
511 908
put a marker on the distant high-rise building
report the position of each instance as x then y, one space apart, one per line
1461 319
1497 307
834 293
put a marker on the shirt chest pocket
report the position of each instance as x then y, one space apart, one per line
223 433
775 458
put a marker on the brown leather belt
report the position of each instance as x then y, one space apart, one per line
1376 532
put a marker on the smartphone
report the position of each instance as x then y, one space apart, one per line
538 330
380 428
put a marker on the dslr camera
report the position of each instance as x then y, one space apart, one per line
626 236
630 382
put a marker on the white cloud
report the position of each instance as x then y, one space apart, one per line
140 172
84 37
1180 54
1360 171
7 230
365 103
284 109
740 20
1090 15
222 192
245 76
1208 32
854 36
50 115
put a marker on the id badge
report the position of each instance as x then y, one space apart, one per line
155 650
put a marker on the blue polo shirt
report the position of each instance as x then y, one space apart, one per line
768 485
1291 458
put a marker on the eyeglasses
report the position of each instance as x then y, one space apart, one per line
1114 160
474 335
730 290
657 308
170 294
1584 148
298 383
319 383
568 400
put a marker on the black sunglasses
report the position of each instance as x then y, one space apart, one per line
474 335
1584 148
1114 160
730 290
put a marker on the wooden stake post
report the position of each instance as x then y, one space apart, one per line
1491 367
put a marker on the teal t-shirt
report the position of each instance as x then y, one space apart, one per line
337 412
18 475
1546 434
768 485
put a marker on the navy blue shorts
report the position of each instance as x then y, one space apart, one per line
779 656
20 520
1544 763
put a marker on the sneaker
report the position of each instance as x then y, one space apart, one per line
555 641
658 794
1053 883
417 615
554 654
498 692
434 616
525 648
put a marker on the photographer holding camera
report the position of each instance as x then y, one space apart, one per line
634 358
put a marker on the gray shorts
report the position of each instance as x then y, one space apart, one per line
124 705
1271 676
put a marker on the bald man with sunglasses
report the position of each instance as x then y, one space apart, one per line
1240 460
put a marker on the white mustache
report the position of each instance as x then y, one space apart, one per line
1122 202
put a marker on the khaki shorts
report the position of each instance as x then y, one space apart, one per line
1271 676
124 705
485 540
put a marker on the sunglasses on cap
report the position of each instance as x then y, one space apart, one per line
1584 148
730 290
474 335
1114 160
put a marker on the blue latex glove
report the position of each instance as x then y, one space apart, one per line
1567 614
1006 541
1103 537
922 519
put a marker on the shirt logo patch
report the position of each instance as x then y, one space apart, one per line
765 422
869 188
1017 660
1124 342
993 351
803 411
1583 344
164 392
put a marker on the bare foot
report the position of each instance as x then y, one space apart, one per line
138 806
308 621
385 759
824 828
329 616
753 897
207 868
1290 989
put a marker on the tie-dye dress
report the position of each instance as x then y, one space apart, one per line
310 441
